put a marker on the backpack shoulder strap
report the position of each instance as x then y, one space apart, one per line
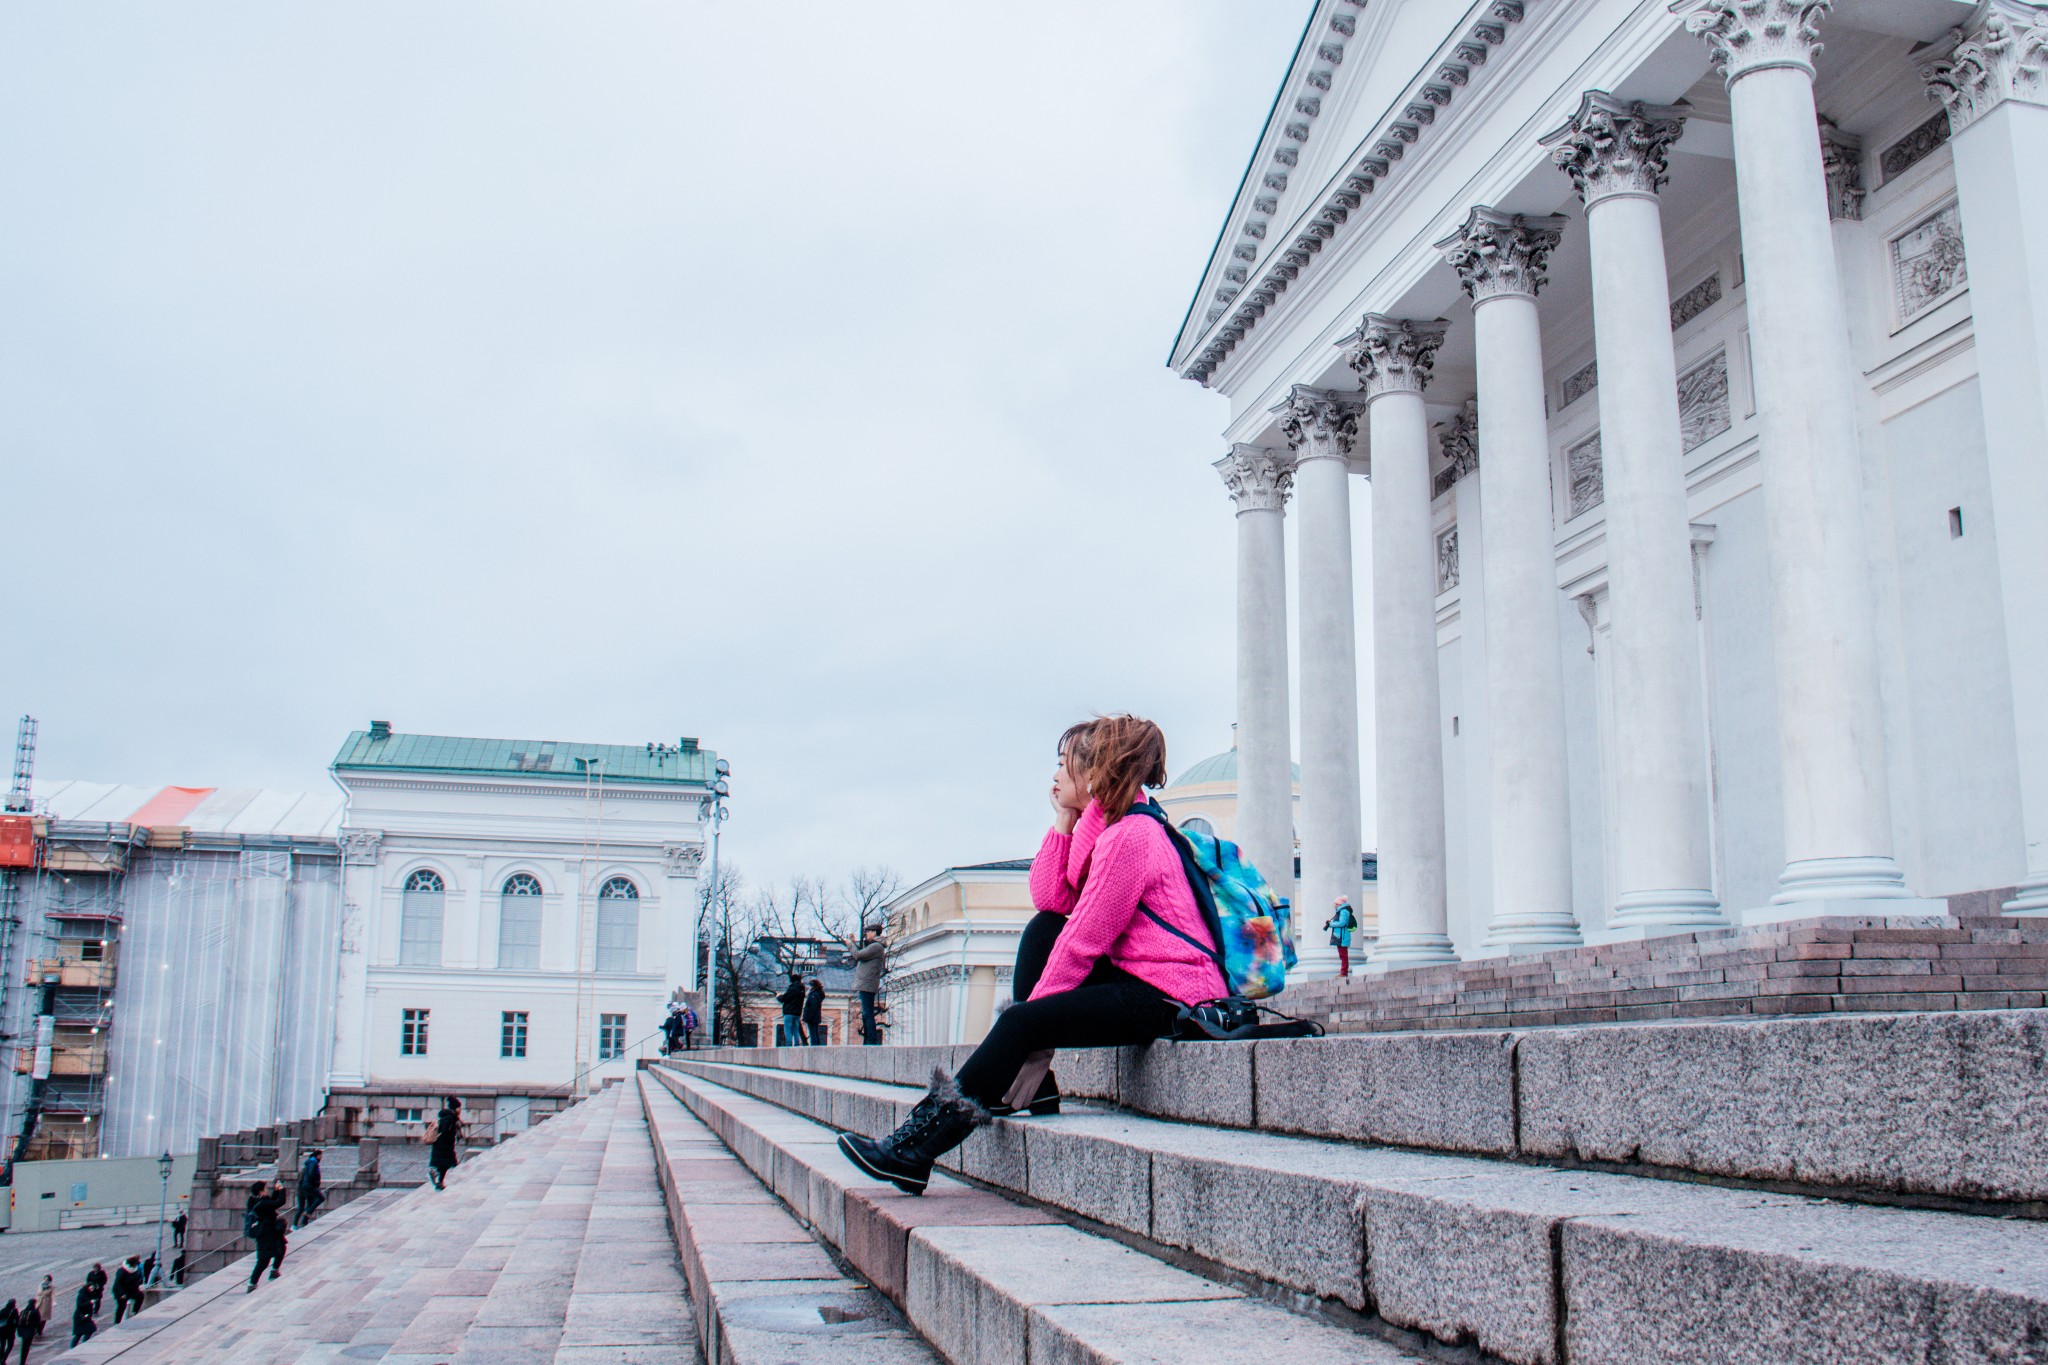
1198 886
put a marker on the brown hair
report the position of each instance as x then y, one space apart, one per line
1074 744
1125 755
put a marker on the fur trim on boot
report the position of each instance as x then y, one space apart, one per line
941 1121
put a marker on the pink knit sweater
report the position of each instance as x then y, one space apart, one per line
1125 863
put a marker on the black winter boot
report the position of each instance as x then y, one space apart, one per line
940 1122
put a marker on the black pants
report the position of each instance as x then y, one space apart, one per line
868 1036
125 1304
269 1255
1034 947
1111 1008
82 1330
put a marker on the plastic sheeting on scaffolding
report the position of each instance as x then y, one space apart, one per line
224 1008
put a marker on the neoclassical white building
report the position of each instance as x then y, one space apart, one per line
1697 356
516 916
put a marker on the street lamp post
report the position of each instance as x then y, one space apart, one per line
163 1199
716 813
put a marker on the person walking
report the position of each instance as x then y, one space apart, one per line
814 1013
96 1281
28 1329
82 1325
672 1030
46 1300
1342 922
1131 955
690 1026
790 1032
10 1323
263 1224
128 1288
178 1230
447 1132
310 1195
868 961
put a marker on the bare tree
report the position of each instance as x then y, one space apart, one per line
725 932
866 894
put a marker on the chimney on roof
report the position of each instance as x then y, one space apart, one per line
689 744
380 729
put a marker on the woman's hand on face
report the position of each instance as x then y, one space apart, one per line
1063 815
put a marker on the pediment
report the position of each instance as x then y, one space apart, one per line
1366 81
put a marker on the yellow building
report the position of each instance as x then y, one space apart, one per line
952 945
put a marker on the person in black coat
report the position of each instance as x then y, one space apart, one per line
29 1328
82 1325
265 1225
128 1288
792 998
447 1132
10 1322
178 1231
310 1195
814 1014
96 1281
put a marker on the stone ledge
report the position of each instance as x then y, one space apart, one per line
1478 1252
1946 1107
985 1279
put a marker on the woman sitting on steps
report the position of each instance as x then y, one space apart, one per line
1113 977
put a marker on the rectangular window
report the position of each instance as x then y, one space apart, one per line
414 1114
512 1033
611 1036
412 1034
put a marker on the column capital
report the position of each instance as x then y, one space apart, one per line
1319 424
1841 161
1616 147
1393 355
1755 35
1259 478
2000 55
1498 254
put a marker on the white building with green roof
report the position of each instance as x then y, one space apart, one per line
517 915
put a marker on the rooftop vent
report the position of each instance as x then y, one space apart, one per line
689 744
380 729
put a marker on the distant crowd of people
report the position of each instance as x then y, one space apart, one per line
23 1323
803 1004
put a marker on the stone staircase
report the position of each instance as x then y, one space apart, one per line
1712 1192
1827 1191
553 1247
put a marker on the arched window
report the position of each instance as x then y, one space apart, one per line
519 921
1195 824
419 920
618 926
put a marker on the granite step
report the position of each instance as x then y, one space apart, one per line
397 1276
983 1278
762 1290
1940 1109
1529 1264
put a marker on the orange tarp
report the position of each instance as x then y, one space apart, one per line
170 806
17 841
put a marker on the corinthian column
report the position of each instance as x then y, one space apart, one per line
1615 153
1500 258
1994 78
1321 426
1838 818
1393 359
1259 481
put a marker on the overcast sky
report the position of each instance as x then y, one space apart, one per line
787 376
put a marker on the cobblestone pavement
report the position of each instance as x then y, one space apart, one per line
25 1257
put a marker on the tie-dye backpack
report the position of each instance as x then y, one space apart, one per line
1247 919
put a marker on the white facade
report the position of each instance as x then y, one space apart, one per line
562 924
1697 356
952 950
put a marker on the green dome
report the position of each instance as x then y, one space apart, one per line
1217 768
